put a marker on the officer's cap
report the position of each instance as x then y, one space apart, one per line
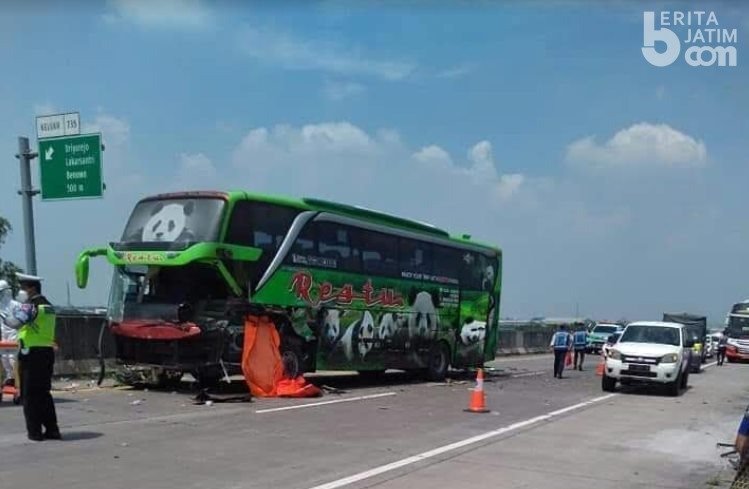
28 279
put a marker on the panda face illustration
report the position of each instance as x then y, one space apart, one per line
423 319
358 339
167 222
366 334
331 326
473 332
390 322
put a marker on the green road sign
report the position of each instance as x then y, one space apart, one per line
70 167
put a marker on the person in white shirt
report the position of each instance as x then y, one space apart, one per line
8 360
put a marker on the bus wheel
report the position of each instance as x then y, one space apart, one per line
291 358
438 362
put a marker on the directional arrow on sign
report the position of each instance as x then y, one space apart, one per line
48 153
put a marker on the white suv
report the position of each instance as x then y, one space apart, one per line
650 352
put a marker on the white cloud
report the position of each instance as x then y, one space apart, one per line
338 91
196 165
434 155
341 161
456 71
295 53
195 171
114 131
185 14
45 109
640 145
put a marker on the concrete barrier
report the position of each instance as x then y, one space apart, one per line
77 335
524 340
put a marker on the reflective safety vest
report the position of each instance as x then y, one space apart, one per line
40 331
580 338
561 339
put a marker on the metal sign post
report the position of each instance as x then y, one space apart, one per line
27 193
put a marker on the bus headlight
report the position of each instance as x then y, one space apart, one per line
670 358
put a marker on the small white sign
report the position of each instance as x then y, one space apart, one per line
57 125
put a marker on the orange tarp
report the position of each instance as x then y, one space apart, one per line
262 366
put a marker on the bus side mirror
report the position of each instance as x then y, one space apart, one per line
81 265
81 271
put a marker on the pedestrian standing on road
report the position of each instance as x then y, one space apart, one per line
8 360
561 343
34 320
722 345
580 340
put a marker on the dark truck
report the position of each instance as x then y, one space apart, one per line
697 327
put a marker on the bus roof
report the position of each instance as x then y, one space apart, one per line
315 204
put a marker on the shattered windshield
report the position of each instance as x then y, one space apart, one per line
152 292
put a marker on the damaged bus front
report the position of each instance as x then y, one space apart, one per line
174 306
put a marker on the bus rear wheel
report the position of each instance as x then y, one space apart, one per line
438 362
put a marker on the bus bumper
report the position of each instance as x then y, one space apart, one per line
733 354
184 348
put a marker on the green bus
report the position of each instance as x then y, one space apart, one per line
347 288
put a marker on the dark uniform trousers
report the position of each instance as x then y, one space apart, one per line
36 368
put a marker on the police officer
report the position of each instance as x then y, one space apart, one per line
722 345
580 342
35 322
561 343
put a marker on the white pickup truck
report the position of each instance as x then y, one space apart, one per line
650 352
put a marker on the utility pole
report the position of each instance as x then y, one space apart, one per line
27 193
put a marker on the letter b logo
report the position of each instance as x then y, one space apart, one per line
651 35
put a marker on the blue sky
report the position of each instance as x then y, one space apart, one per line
538 126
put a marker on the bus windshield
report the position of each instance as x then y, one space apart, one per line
168 224
155 293
738 327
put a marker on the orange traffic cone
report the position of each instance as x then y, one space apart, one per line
478 401
9 390
600 367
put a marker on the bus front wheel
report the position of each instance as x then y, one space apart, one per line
291 358
438 362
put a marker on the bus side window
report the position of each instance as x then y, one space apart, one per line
259 225
304 246
446 262
334 241
415 256
478 271
379 252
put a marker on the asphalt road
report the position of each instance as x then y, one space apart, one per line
396 433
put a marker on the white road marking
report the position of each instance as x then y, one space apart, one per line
323 403
521 358
527 374
367 474
708 365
